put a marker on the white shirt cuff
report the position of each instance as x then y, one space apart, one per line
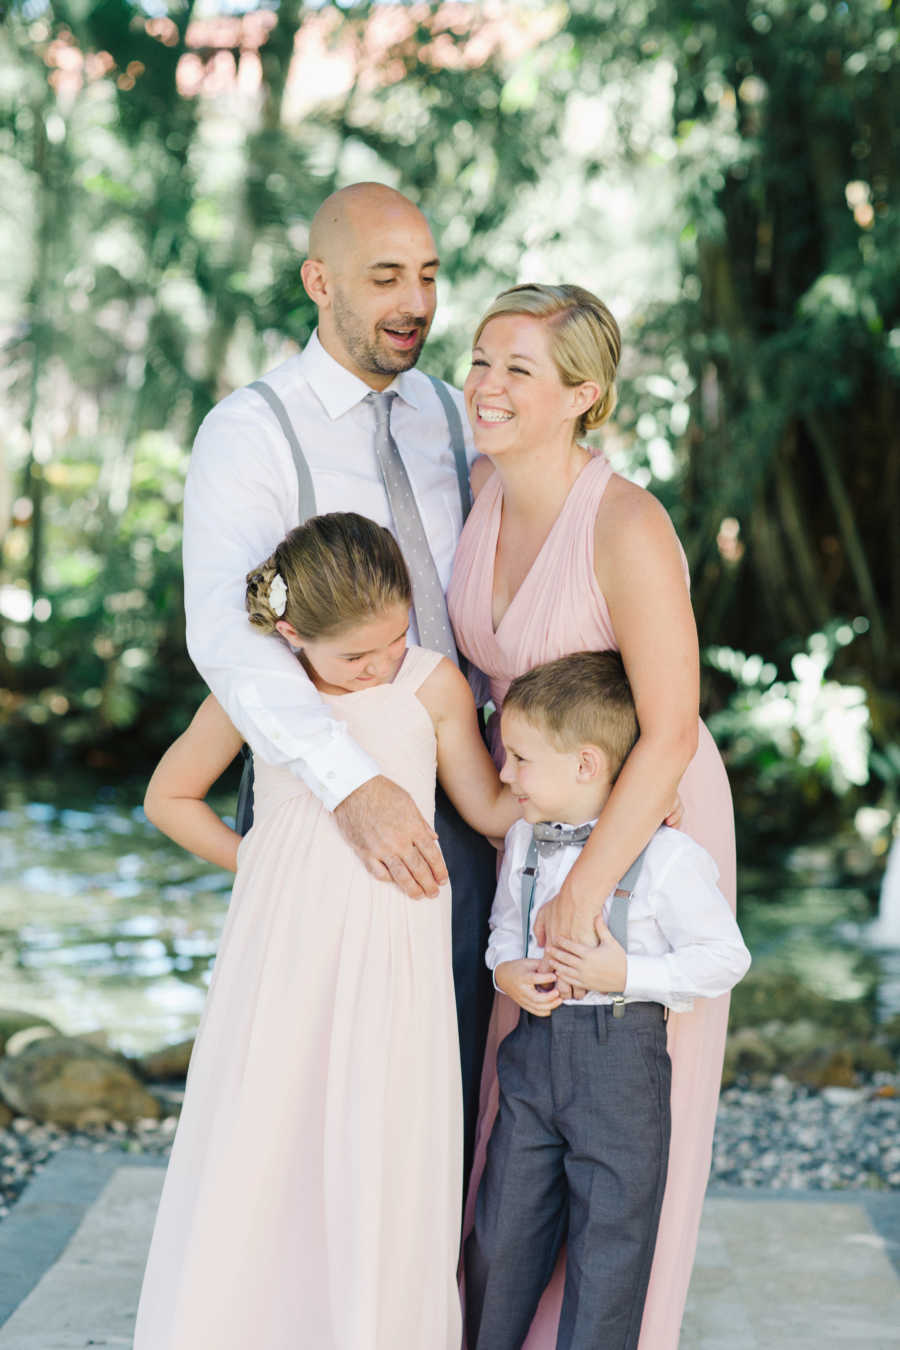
646 979
334 773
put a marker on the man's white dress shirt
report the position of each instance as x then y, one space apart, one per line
683 941
241 499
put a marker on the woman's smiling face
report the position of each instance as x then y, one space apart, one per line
514 395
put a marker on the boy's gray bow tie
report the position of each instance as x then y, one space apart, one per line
549 837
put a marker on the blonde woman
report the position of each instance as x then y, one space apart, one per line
560 555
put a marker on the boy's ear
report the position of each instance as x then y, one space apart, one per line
592 764
289 632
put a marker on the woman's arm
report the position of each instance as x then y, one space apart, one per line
640 570
465 769
174 800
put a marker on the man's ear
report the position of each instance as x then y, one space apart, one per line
289 632
316 282
592 764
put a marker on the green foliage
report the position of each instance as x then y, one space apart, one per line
723 173
799 747
116 682
808 731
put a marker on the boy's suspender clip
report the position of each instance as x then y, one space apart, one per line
618 918
529 881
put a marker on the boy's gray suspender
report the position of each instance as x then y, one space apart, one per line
618 910
307 508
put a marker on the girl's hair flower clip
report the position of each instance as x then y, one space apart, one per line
277 595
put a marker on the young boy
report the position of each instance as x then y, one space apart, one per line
580 1145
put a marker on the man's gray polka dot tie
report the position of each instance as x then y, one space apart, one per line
429 604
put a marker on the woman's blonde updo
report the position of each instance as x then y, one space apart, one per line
338 570
584 339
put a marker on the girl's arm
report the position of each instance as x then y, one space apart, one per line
464 767
174 800
640 571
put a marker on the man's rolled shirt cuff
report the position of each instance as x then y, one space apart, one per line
333 776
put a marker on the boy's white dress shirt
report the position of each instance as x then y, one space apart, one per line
241 499
683 941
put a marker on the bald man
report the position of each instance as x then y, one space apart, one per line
371 272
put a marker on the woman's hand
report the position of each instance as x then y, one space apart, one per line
602 968
568 917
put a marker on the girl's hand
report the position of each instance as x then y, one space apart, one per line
175 798
603 969
526 984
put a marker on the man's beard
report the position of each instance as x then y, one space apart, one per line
365 352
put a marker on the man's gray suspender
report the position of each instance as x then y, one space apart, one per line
304 477
457 443
618 910
307 508
306 491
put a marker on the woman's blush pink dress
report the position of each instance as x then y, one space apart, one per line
559 609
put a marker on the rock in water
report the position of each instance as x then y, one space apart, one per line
14 1019
171 1062
68 1082
20 1039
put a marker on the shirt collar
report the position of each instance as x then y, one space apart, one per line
339 390
569 826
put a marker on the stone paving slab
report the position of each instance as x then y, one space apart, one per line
72 1252
774 1270
800 1272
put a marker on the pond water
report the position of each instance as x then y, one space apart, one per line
105 924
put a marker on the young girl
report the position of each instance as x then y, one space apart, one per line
313 1195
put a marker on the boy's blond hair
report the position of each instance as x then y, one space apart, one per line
582 699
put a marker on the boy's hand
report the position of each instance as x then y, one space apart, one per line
602 969
525 983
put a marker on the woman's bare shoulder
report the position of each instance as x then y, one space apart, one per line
628 504
632 528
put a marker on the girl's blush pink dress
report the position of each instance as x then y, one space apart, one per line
312 1201
559 609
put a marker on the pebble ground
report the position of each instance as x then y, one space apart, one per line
778 1137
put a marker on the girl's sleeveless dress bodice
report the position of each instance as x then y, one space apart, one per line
558 609
313 1195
